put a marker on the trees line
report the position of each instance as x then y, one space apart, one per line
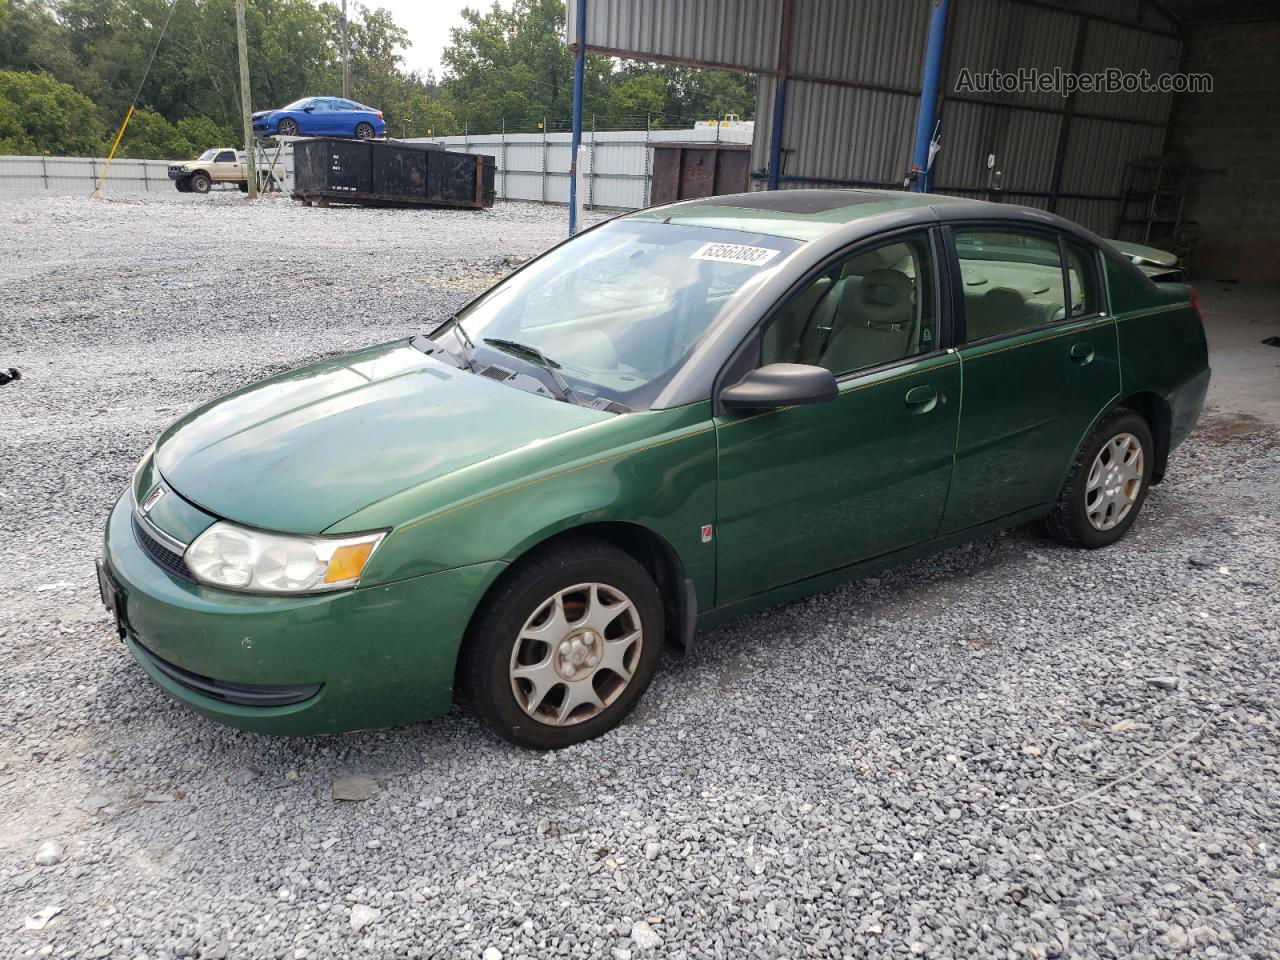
69 68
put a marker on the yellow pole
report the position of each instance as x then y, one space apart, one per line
97 192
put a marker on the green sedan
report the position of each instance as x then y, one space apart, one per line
682 415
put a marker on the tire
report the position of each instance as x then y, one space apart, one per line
364 131
244 186
200 182
183 185
1092 512
287 128
519 683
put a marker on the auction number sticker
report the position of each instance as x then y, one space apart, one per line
735 253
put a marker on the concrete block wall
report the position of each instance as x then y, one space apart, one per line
1233 133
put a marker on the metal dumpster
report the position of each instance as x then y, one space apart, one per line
687 170
377 173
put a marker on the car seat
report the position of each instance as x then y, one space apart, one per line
874 321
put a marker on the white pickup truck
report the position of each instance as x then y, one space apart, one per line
220 165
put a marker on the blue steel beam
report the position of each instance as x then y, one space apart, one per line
929 95
579 65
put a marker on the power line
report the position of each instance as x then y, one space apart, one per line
97 191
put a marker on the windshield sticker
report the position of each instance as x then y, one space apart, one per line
735 253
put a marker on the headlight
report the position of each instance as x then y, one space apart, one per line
238 558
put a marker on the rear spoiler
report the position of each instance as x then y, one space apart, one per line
1160 266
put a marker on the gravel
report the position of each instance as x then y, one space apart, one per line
1008 750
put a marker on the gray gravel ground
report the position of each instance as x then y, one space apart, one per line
846 776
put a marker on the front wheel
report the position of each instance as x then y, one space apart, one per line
287 128
565 646
1107 484
364 131
200 182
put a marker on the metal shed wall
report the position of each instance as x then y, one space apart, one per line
853 70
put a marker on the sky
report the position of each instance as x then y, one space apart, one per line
428 23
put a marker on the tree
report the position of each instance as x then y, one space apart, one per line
501 65
40 115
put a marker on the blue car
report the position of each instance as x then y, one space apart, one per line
320 117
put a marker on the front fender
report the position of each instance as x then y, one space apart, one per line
656 470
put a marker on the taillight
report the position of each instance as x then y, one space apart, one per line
1195 304
379 114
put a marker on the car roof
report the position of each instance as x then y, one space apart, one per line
811 214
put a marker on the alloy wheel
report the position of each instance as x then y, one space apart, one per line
1115 480
576 654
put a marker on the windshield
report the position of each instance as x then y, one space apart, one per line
208 154
297 104
617 310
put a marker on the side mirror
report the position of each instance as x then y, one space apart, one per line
309 108
780 385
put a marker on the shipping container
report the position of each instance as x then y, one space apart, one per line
376 173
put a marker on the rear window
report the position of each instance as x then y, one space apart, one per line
1011 279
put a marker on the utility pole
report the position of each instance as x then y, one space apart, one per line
246 111
346 56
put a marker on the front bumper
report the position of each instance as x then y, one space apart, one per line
376 656
178 173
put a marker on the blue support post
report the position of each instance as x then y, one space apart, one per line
579 66
929 95
775 138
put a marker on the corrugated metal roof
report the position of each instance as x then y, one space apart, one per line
732 32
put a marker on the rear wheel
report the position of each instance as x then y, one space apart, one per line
364 131
565 646
1107 484
200 182
287 128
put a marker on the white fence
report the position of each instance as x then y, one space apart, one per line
618 165
80 174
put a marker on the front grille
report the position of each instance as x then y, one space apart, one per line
242 694
170 560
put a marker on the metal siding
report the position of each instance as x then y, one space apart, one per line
878 42
1096 215
723 31
999 34
1098 151
1023 141
1109 45
847 133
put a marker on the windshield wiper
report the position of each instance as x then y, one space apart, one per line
542 360
469 347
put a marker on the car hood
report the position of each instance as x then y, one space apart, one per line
304 449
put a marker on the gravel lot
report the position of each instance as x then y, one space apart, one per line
865 773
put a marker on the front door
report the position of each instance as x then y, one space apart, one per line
1040 362
808 489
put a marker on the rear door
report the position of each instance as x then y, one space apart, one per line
809 489
1040 363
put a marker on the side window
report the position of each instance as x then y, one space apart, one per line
226 156
1082 279
1012 280
872 307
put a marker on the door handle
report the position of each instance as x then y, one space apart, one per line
922 399
1082 353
